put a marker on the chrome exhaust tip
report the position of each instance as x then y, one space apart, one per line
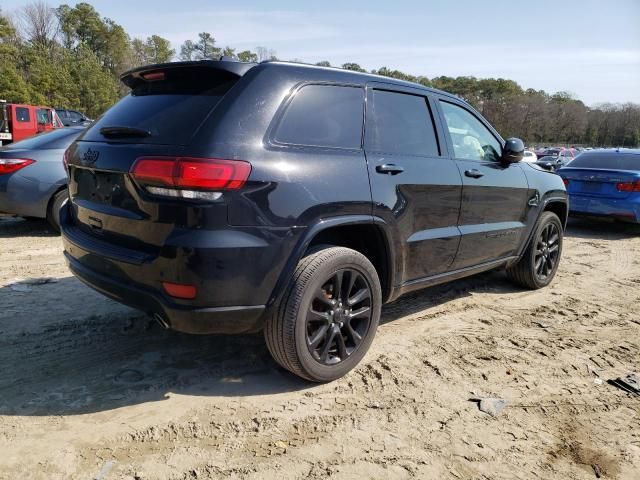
163 323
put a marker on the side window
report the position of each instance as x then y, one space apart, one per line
401 123
42 115
74 116
471 139
22 114
323 116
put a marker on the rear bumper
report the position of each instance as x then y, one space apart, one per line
627 209
234 319
25 197
233 287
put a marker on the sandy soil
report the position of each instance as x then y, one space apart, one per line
92 389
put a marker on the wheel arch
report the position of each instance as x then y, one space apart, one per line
363 233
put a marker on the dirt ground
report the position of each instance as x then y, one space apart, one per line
92 389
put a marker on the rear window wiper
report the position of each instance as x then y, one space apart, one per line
116 131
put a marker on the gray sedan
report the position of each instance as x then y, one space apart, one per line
33 180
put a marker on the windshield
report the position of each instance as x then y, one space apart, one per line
605 160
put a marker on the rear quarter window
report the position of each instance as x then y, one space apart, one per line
323 116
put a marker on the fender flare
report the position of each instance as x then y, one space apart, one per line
321 225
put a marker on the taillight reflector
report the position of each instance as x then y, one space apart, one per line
566 182
179 290
628 186
192 173
11 165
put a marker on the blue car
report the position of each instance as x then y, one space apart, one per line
604 183
33 180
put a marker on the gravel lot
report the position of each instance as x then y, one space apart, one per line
92 389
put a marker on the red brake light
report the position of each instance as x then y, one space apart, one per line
566 182
628 186
153 76
192 173
179 290
11 165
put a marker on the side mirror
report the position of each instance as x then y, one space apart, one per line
513 150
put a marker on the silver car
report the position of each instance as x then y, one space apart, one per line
33 181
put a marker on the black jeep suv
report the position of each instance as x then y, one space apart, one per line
226 197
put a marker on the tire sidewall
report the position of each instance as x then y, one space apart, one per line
355 261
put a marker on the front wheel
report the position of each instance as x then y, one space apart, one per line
540 261
328 317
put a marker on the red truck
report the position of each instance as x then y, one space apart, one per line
18 122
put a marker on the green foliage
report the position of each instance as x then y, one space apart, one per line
79 67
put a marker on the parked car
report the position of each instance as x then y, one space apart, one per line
605 183
33 180
529 156
223 197
18 121
73 117
553 162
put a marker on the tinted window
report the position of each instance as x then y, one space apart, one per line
615 161
172 108
471 139
324 116
59 138
22 114
74 116
401 123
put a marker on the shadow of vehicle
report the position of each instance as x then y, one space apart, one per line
588 228
11 226
73 361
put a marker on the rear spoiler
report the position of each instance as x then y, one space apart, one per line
133 77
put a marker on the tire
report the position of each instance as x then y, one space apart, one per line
543 248
309 307
53 212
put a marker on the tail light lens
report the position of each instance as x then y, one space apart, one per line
190 177
566 182
11 165
628 186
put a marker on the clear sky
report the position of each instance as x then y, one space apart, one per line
590 48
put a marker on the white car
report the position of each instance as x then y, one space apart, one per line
529 156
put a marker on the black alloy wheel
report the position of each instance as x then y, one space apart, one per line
547 251
339 317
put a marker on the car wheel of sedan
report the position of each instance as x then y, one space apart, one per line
55 204
328 317
540 261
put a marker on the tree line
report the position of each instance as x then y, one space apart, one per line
71 57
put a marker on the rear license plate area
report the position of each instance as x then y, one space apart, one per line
591 187
104 188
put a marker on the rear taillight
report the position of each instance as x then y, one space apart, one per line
194 178
628 186
566 182
10 165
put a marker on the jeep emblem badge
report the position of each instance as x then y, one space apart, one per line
90 157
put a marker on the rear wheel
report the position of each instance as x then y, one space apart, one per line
540 261
328 317
55 204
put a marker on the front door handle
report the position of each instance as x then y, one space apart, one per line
473 173
389 169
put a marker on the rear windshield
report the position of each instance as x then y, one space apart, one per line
613 161
55 139
171 109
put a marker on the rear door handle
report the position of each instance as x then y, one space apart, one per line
389 169
473 173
